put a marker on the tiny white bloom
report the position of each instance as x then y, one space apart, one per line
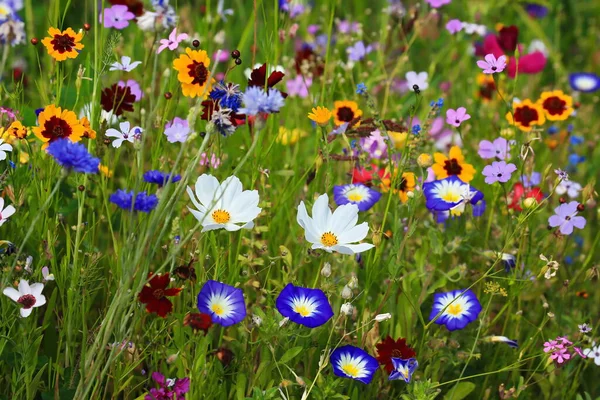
4 147
593 352
347 309
5 212
125 65
419 79
29 296
147 22
572 189
383 317
126 134
333 231
47 275
256 320
223 205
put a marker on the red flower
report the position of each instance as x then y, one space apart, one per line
198 321
520 193
365 175
154 294
505 43
393 348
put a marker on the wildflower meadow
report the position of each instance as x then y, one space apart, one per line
288 199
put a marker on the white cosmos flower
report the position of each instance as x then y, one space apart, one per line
126 134
28 296
125 65
5 212
4 147
223 205
333 231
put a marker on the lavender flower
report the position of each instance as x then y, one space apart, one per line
177 130
456 117
499 149
499 171
454 26
117 16
566 218
374 144
256 101
298 86
358 51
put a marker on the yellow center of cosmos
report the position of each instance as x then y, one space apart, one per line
217 309
355 197
221 216
350 370
303 310
454 309
328 239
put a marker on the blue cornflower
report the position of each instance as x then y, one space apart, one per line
222 121
440 102
73 156
575 159
143 202
416 129
12 164
575 140
229 95
160 178
552 130
361 88
570 128
256 101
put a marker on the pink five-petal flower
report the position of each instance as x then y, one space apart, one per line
456 117
531 63
492 65
579 352
117 16
172 42
550 345
454 26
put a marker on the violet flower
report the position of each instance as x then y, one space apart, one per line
566 218
456 117
492 65
499 149
374 144
117 16
358 51
298 86
437 3
454 26
499 171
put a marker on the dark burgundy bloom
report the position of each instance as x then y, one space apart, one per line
520 193
198 321
117 99
134 6
258 77
154 294
306 56
391 348
507 38
224 355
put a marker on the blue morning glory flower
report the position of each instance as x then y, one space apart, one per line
225 304
354 363
584 82
363 196
160 178
459 309
73 156
403 369
304 306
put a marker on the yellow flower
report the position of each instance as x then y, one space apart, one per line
89 132
404 188
556 105
526 114
399 139
287 137
63 45
453 165
424 160
193 73
23 157
17 130
345 112
105 171
55 123
320 115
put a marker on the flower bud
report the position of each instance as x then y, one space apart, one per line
326 270
529 202
256 320
346 293
283 322
424 160
383 317
353 283
347 309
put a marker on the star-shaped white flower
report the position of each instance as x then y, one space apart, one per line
125 65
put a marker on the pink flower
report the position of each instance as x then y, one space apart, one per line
117 17
579 352
550 345
506 42
564 340
499 171
134 87
492 65
437 3
298 86
172 42
499 149
456 117
561 356
454 26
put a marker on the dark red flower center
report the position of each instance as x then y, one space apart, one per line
507 38
525 115
345 114
63 43
27 300
452 167
402 185
199 72
158 294
56 128
487 90
554 105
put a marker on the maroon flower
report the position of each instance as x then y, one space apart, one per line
258 77
117 99
198 321
134 6
393 348
507 38
154 294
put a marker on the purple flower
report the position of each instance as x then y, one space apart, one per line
561 174
298 86
168 388
117 17
346 26
177 130
491 65
499 171
437 3
134 87
499 149
454 26
456 117
358 51
532 180
566 218
374 144
172 42
257 101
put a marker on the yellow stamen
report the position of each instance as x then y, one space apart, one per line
454 309
328 239
217 309
355 197
303 310
351 370
221 216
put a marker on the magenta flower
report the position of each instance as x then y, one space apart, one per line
499 171
551 345
492 65
168 388
437 3
561 356
456 117
566 218
117 17
172 42
499 149
454 26
579 352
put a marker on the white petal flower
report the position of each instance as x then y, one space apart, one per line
335 231
126 134
419 79
223 205
125 65
4 147
5 212
29 296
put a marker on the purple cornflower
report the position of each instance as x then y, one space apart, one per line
160 178
117 17
134 87
492 65
437 3
499 149
172 42
358 51
374 144
456 117
168 388
499 171
73 156
298 86
532 180
454 26
177 130
566 218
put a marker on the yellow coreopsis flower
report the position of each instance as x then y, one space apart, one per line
320 115
454 164
63 45
557 105
193 73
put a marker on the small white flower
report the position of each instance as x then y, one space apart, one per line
125 65
147 22
346 293
333 231
584 328
5 212
283 322
4 147
593 352
419 79
223 205
126 134
47 275
383 317
28 296
326 270
572 189
550 268
347 309
256 320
